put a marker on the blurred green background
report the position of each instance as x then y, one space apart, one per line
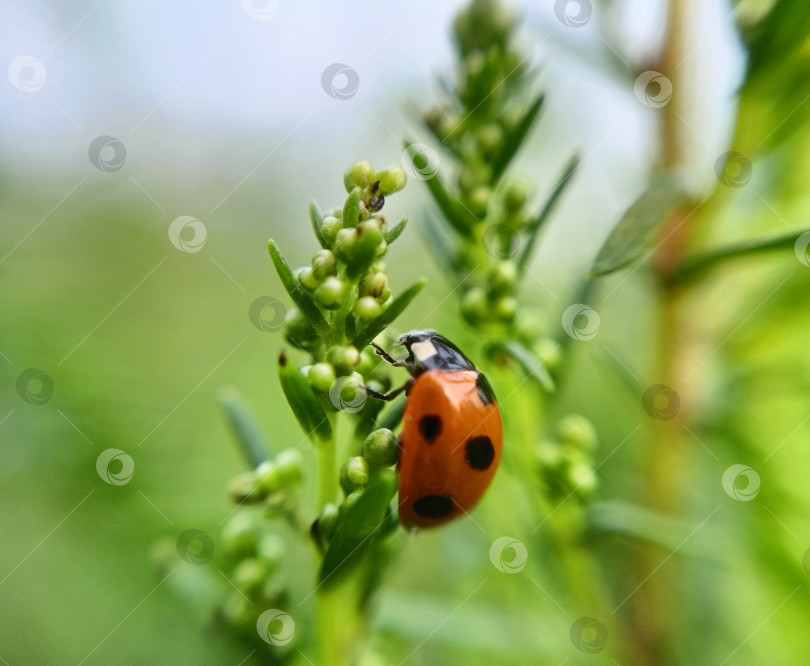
223 118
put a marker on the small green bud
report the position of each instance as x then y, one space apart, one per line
245 488
289 465
343 359
367 307
345 240
380 448
370 228
582 477
327 521
269 480
490 137
330 293
271 549
549 454
381 248
249 574
467 180
323 264
505 307
298 330
549 352
329 229
475 305
373 284
306 276
577 431
360 174
478 200
321 376
274 592
368 361
391 180
353 473
503 277
474 64
240 534
515 197
238 611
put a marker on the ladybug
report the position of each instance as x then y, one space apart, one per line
452 435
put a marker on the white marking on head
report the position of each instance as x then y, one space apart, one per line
424 350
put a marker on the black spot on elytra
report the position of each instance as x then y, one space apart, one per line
485 391
480 452
433 506
431 427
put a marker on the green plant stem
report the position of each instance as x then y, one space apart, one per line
327 473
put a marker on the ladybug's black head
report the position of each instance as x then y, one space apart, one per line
427 350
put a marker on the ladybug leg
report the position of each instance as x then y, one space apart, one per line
390 359
391 394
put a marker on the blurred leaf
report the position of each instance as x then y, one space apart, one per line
301 298
351 209
528 362
395 232
392 418
302 400
360 518
638 228
450 211
397 306
439 246
534 226
700 262
317 221
244 427
515 139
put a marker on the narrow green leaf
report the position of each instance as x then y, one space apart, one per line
244 427
709 259
393 415
301 298
639 226
317 222
527 361
351 326
302 400
455 215
514 140
396 231
534 226
357 525
397 306
351 209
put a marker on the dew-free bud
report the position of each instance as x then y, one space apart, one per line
353 473
327 521
577 431
479 200
321 376
380 449
505 307
503 276
467 179
271 549
490 137
381 248
549 352
240 534
549 454
329 229
250 574
360 174
391 180
367 307
345 240
474 304
289 466
343 359
268 478
330 293
306 276
298 330
323 264
245 488
368 361
370 229
582 477
515 197
373 284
